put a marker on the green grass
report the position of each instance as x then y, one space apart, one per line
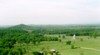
66 49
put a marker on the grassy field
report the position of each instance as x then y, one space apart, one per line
87 46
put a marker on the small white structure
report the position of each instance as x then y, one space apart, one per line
52 50
74 37
41 51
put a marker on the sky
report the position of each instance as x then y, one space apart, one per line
49 12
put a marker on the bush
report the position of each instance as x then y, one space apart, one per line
81 39
57 53
72 46
68 42
60 40
50 39
5 51
14 52
35 53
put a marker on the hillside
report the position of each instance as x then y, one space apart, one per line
59 29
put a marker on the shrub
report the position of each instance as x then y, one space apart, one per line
60 40
35 53
72 46
81 39
68 42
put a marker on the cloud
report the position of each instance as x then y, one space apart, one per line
49 11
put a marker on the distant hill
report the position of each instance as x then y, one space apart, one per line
58 29
21 27
53 27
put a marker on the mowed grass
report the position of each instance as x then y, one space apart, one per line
66 49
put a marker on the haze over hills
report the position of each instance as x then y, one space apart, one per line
55 29
21 26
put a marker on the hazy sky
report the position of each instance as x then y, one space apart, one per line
49 12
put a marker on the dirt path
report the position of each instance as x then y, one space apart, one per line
90 49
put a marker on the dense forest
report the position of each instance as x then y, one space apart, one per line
35 34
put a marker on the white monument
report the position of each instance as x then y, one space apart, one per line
74 37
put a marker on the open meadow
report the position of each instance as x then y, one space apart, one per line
86 46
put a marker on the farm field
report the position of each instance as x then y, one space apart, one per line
87 46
